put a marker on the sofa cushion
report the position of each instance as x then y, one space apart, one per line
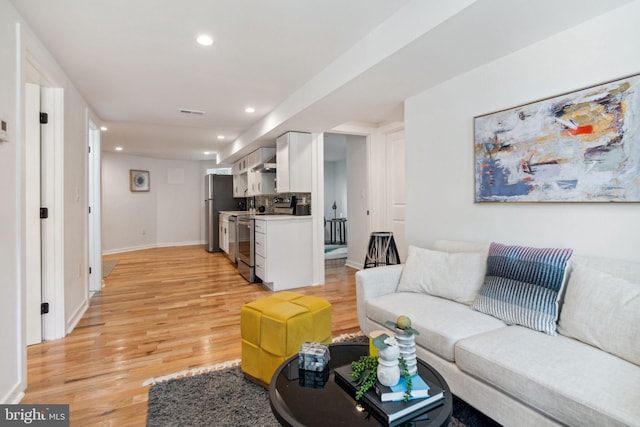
455 276
523 284
441 322
604 311
571 381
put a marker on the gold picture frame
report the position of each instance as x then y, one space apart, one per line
139 180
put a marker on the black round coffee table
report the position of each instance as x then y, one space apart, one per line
316 401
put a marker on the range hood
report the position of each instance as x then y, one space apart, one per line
268 166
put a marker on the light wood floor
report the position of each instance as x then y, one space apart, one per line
162 311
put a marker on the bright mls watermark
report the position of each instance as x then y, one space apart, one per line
34 415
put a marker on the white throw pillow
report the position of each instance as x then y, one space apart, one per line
455 276
604 311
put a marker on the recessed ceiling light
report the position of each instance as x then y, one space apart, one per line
204 40
118 148
103 128
250 110
206 153
220 136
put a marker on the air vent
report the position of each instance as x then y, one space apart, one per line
187 111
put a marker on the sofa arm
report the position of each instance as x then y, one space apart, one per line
372 283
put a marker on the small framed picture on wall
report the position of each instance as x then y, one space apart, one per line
139 180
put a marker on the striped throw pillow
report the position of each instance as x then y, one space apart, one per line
522 285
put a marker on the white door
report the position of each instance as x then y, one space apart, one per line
33 254
395 190
95 245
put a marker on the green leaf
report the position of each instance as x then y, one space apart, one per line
390 323
378 341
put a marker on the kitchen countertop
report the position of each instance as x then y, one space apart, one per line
235 212
281 217
267 217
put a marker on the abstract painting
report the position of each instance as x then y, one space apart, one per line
139 180
583 146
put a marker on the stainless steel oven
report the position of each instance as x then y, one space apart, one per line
245 244
233 246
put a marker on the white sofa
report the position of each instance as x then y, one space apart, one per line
516 375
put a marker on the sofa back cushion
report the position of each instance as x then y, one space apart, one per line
604 311
523 284
454 276
459 246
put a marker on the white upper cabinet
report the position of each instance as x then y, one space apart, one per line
240 166
260 182
240 184
293 158
260 156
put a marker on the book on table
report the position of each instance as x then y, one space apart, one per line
392 413
395 393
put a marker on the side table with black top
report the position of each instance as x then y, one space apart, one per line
338 230
295 403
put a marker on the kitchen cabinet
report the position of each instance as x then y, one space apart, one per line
260 156
260 182
248 177
293 158
240 166
240 179
283 248
223 232
240 184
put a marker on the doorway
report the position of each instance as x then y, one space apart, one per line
346 204
44 242
335 196
95 244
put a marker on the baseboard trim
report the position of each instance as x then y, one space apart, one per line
151 246
351 263
76 316
15 395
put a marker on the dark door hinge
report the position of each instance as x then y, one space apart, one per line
89 270
44 213
44 118
89 209
44 308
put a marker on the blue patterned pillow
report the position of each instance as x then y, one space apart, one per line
522 285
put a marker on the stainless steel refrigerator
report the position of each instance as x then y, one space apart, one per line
218 196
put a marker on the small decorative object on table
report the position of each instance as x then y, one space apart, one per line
391 363
373 350
405 335
388 370
313 379
313 356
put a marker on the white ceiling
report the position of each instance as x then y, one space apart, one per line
136 61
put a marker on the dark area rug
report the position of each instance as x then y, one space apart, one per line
225 398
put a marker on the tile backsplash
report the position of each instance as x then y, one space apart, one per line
268 201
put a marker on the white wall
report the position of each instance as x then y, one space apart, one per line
169 214
439 144
12 353
15 46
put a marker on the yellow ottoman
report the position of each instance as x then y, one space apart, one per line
274 328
